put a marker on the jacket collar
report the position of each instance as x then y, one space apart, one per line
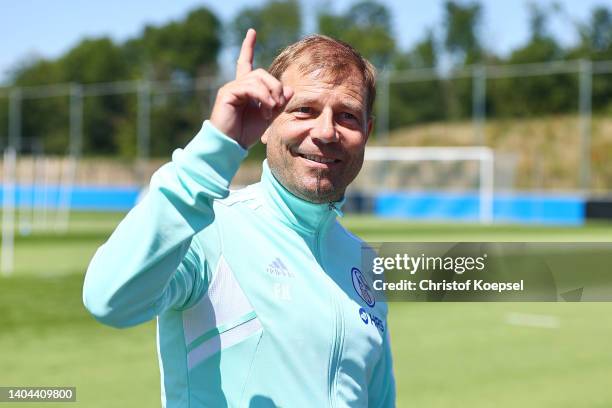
298 213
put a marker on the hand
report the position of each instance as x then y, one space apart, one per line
246 106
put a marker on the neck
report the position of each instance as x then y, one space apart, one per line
298 211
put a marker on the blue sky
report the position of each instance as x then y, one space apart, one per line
49 28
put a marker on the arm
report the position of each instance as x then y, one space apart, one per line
150 264
381 389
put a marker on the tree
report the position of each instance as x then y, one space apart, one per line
42 118
416 102
596 44
93 60
600 35
463 23
366 25
36 71
537 21
278 23
596 35
190 46
180 49
424 54
541 46
541 94
462 43
97 60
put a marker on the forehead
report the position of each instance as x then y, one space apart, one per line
323 83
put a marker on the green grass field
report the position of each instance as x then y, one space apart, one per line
445 354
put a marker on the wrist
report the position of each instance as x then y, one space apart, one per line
230 143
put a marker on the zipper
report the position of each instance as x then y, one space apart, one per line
331 206
338 340
317 237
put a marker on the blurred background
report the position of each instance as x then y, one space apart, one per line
493 122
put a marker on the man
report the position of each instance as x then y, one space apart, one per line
259 294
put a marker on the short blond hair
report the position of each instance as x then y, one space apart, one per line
337 59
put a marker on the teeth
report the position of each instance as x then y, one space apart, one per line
318 159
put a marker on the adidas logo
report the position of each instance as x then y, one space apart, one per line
278 268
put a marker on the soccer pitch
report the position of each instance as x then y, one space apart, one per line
445 354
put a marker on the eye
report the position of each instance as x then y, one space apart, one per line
304 110
349 120
347 116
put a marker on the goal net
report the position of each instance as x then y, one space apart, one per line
36 191
445 183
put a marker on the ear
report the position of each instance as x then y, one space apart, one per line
264 137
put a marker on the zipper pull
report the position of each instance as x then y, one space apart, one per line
332 206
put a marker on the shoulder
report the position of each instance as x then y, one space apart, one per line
345 233
341 234
247 196
353 247
366 253
229 214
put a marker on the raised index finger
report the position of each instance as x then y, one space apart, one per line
244 65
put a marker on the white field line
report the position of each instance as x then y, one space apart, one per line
533 320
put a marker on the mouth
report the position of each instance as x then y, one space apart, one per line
317 160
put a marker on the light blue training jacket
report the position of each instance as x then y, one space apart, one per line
260 296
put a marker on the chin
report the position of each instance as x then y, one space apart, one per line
320 193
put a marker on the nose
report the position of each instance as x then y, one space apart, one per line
324 129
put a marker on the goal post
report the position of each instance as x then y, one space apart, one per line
484 156
8 212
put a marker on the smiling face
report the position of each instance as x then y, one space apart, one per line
315 147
